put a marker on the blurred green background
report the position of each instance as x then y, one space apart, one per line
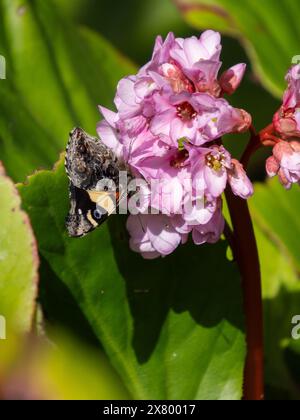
132 328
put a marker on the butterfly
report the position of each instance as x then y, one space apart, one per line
94 174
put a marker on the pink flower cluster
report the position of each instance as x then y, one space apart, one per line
168 127
285 161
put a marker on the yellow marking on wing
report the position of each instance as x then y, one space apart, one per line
108 203
107 200
91 219
94 195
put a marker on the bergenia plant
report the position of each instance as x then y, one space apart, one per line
168 126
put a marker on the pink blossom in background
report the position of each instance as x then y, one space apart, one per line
287 119
285 161
291 97
169 121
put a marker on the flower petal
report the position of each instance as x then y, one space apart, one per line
216 181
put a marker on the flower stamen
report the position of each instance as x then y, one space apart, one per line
216 161
178 161
186 112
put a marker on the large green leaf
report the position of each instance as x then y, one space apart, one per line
172 327
18 261
24 144
269 30
281 293
57 73
275 212
18 273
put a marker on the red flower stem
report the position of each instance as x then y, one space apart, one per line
265 137
246 254
229 236
252 148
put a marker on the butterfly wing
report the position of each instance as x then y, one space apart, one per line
88 162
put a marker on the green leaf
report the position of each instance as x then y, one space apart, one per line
141 21
172 328
57 74
280 258
63 369
77 372
269 32
24 144
18 261
283 228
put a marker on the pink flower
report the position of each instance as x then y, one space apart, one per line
198 117
232 78
152 235
212 164
166 169
191 51
169 121
172 73
287 119
193 65
291 97
287 122
165 97
199 60
285 163
127 102
239 181
217 168
161 55
156 235
207 168
209 232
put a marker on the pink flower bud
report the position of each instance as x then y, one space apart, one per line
281 150
245 121
284 180
285 124
272 166
239 181
295 145
231 79
287 120
285 163
176 78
